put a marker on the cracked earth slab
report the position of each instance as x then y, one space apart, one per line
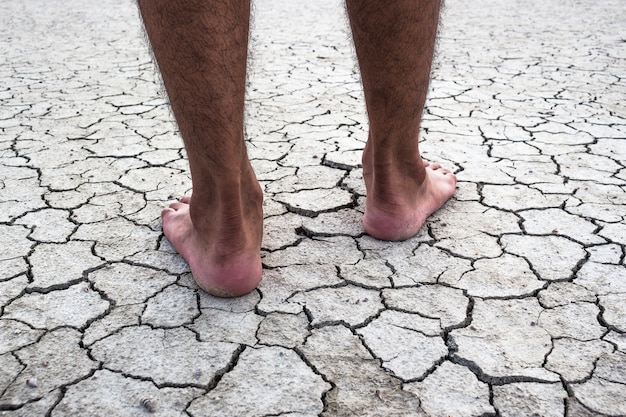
266 381
508 302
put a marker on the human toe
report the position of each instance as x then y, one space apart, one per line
177 205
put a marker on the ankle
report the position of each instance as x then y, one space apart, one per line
390 180
231 209
392 152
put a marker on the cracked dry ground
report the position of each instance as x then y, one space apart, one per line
509 302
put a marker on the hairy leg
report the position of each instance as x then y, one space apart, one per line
201 50
395 43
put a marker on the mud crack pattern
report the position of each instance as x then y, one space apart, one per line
509 302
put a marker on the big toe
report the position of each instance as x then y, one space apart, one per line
167 211
172 211
450 178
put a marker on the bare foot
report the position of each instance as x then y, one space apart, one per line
397 211
221 265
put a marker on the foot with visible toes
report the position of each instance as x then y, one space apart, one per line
398 204
222 246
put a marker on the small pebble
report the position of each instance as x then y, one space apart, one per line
148 404
32 382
